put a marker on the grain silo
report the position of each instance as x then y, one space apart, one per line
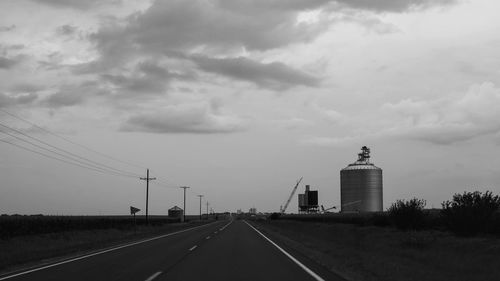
361 185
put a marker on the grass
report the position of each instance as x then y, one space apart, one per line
28 250
380 253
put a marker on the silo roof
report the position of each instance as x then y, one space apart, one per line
361 165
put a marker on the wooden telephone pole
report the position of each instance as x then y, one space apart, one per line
200 204
184 211
147 179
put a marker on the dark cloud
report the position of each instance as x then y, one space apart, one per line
135 84
76 4
62 99
393 5
184 25
7 28
26 88
7 63
225 27
74 94
22 99
272 75
147 77
66 30
5 48
188 118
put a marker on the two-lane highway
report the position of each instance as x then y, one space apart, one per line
226 250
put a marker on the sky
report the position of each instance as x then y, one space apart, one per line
238 99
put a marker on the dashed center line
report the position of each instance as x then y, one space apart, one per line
221 229
208 237
153 276
194 247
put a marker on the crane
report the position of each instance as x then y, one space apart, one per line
291 195
323 210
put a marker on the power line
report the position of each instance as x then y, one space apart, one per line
59 159
67 156
70 141
81 163
94 163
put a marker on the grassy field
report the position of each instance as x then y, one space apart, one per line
380 253
30 241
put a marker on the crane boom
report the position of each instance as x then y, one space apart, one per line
291 195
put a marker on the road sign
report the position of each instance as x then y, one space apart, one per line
134 210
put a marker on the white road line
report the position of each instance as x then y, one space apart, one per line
305 268
208 237
101 252
215 232
153 276
194 247
222 228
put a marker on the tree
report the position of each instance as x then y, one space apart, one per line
471 212
408 214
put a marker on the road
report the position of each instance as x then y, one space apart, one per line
225 250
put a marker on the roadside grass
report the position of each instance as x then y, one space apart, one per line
379 253
29 250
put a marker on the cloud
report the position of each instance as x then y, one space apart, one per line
393 5
7 63
7 28
328 141
448 120
214 25
61 99
197 118
20 99
75 4
66 30
444 121
330 115
74 94
273 75
146 77
293 123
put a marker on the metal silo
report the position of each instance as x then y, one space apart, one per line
361 185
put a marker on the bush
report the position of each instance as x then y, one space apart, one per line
471 213
408 215
274 216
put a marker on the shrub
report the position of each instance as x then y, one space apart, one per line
274 216
471 213
408 214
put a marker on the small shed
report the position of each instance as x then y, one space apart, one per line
175 212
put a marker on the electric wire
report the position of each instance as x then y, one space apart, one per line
93 163
70 141
58 159
80 163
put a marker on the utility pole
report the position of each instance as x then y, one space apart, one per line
207 210
200 205
147 179
184 212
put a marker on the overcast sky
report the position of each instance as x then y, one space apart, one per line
239 98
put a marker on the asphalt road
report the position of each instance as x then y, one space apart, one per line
226 250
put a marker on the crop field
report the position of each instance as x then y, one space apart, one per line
13 226
25 240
